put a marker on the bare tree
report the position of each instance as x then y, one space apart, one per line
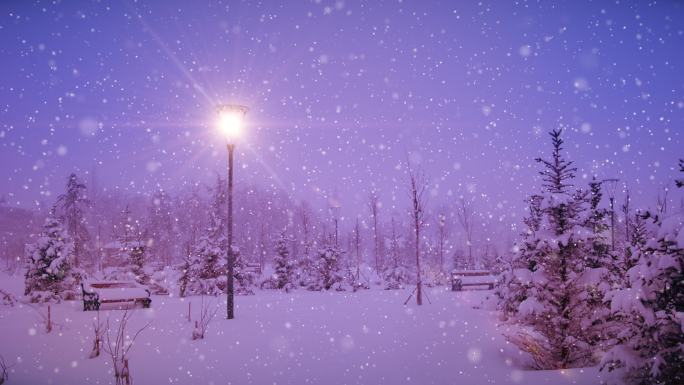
417 189
661 201
7 299
442 235
305 218
119 348
45 317
207 314
626 210
4 376
74 205
374 206
466 214
97 342
262 245
357 248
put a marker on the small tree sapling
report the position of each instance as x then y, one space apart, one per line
118 348
207 314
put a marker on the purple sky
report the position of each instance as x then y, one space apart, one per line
339 92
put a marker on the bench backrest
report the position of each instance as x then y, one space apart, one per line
471 273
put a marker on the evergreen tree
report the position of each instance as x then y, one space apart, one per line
131 250
73 204
207 268
556 314
137 258
305 270
640 236
206 274
515 281
328 270
639 231
50 274
185 278
395 275
601 272
244 278
599 251
650 348
284 267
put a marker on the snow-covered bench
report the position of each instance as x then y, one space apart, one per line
96 293
253 267
469 278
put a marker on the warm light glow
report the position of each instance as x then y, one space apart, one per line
230 123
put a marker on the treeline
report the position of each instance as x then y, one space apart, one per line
105 224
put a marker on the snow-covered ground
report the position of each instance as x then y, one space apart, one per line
367 337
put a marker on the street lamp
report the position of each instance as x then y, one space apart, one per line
230 124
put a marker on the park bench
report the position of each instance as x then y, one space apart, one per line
471 278
253 267
98 292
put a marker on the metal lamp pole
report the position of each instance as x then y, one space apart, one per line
230 121
230 301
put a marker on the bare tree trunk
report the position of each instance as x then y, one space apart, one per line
419 284
465 217
305 228
626 209
262 246
357 246
441 237
417 194
373 205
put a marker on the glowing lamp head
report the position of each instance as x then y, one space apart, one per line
230 120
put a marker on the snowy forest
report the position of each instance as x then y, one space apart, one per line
330 209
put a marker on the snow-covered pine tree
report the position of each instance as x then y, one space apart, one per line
328 270
137 258
639 231
207 265
206 274
640 235
283 266
50 275
515 281
207 268
599 250
131 252
245 280
601 272
184 278
305 270
650 348
395 275
555 314
73 205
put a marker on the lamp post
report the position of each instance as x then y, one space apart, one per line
230 121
